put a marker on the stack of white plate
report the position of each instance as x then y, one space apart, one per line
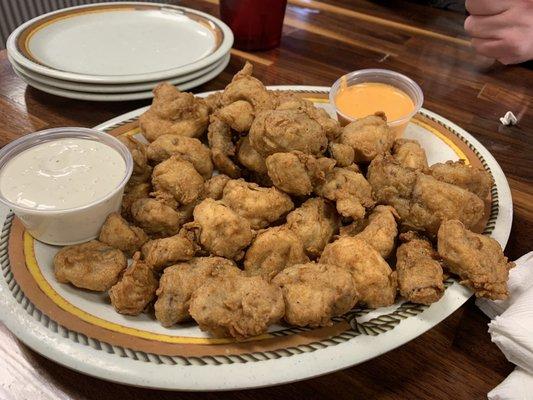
119 51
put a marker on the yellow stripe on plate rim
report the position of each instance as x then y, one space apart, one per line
444 138
61 18
33 267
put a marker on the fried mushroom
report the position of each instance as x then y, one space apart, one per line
141 170
238 115
260 206
180 281
214 187
290 101
160 253
379 230
220 230
475 180
297 173
477 259
135 290
238 306
92 265
275 131
245 87
250 158
213 102
273 250
422 202
222 147
133 193
369 137
420 277
186 148
314 222
343 154
392 184
349 190
433 202
118 233
155 217
410 154
179 178
315 293
174 112
374 280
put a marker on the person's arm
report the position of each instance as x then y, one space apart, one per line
501 29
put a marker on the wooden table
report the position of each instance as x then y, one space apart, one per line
321 41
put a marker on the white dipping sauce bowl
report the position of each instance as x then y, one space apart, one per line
71 225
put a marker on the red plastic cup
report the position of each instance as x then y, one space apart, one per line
256 24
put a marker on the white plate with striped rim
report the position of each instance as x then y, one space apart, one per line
78 95
81 330
115 43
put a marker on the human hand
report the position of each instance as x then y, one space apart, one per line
501 29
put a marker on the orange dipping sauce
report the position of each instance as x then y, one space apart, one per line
363 99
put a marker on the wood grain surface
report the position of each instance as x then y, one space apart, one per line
321 41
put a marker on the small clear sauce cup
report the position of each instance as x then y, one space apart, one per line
70 225
402 82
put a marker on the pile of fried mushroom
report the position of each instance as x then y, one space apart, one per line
252 206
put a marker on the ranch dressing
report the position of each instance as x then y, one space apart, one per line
62 174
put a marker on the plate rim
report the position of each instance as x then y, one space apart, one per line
104 89
261 374
113 97
225 46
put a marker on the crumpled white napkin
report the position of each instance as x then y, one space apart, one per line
512 331
517 386
509 119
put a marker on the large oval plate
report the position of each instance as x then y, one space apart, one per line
80 329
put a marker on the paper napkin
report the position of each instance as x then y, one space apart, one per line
511 329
